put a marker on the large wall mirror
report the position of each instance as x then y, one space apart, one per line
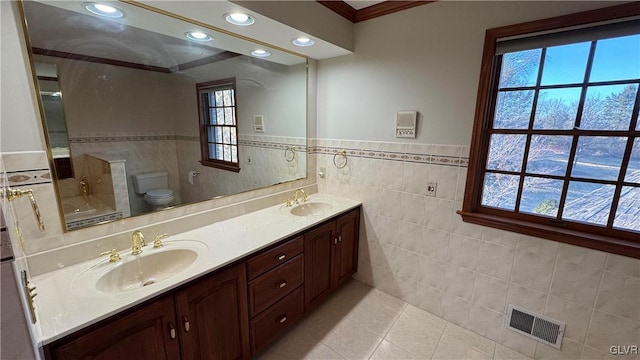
140 133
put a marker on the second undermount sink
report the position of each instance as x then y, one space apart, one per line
311 208
138 271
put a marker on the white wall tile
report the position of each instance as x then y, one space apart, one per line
463 251
490 292
576 283
623 265
606 330
495 260
575 315
532 270
618 295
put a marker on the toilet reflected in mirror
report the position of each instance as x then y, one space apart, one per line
155 188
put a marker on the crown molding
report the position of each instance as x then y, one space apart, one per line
388 7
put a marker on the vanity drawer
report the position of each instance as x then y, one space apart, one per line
280 254
272 286
272 323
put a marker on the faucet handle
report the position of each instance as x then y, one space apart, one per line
113 255
289 202
157 241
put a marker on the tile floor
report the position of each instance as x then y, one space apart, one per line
360 322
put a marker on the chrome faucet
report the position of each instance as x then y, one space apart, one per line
84 186
304 196
137 242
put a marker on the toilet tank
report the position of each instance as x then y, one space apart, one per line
143 183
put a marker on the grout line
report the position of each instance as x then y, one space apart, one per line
384 337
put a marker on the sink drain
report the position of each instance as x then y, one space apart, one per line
149 282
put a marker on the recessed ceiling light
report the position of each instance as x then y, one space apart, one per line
239 19
104 10
303 41
198 36
260 53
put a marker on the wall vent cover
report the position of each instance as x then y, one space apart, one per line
539 328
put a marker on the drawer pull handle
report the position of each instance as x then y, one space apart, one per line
282 257
283 319
282 284
339 238
186 323
172 331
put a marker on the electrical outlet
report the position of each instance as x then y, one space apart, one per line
431 188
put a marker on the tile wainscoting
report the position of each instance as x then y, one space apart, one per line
418 249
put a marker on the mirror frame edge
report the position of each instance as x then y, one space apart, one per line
43 121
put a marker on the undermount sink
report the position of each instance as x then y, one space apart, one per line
311 208
146 270
139 271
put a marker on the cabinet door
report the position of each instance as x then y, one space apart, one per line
212 317
143 334
346 263
319 245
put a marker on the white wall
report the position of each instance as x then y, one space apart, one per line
19 116
426 58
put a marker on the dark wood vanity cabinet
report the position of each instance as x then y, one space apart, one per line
276 291
206 320
232 313
212 317
141 334
331 256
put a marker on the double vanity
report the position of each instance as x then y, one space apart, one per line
220 291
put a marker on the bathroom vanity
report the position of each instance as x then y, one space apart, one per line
230 305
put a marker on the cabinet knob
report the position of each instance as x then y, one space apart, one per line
283 319
172 331
186 323
339 238
282 257
282 284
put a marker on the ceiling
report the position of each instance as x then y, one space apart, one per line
361 4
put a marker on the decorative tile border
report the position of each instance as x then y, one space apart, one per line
26 177
272 145
103 139
394 156
252 143
93 220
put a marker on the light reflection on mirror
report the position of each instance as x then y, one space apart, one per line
131 110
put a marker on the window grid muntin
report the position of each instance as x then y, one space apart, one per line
207 103
576 133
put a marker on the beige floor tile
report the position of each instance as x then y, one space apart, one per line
389 351
417 331
351 340
504 353
376 318
299 345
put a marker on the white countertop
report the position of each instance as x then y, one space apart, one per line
64 306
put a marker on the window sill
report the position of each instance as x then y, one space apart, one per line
573 237
220 165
